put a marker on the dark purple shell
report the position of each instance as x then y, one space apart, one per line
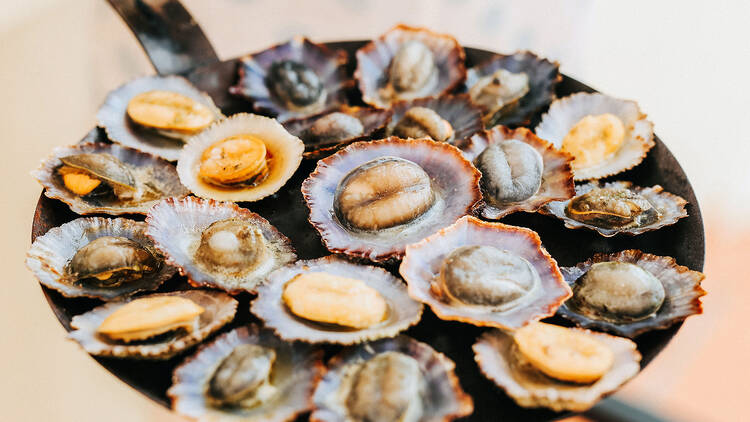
543 74
328 65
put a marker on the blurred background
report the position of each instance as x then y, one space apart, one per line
685 62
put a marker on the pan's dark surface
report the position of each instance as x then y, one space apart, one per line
287 211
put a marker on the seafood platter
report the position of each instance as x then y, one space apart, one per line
399 229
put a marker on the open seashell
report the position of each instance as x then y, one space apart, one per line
216 310
442 186
107 178
604 135
618 207
178 101
332 300
98 257
325 133
631 292
244 157
262 378
389 380
449 118
407 63
218 244
533 378
513 88
486 274
520 173
293 80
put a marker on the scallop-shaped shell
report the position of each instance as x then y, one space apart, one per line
374 60
112 115
497 357
269 306
328 65
557 177
152 173
373 121
297 370
176 226
564 113
543 74
445 400
285 151
454 179
670 206
458 110
219 310
423 260
681 285
51 252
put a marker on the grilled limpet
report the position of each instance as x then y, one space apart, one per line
631 292
95 177
156 114
545 365
520 172
604 135
486 274
218 244
332 300
449 118
156 326
296 79
371 199
618 207
98 257
390 380
245 157
407 63
247 374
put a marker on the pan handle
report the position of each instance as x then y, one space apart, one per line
171 38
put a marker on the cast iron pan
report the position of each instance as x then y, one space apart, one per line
175 44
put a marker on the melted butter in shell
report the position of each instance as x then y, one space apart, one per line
243 377
383 193
511 171
594 139
387 388
487 276
618 292
423 122
232 245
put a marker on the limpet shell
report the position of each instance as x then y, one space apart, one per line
51 252
284 149
153 172
112 115
566 112
296 372
374 60
544 75
444 401
682 286
464 117
373 121
670 206
269 306
176 226
423 261
495 353
453 178
219 310
557 177
328 65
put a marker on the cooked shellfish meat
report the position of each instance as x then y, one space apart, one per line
334 127
232 244
412 68
236 161
169 113
295 84
143 318
423 122
333 299
110 261
383 193
613 207
83 173
244 377
594 139
511 171
499 90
